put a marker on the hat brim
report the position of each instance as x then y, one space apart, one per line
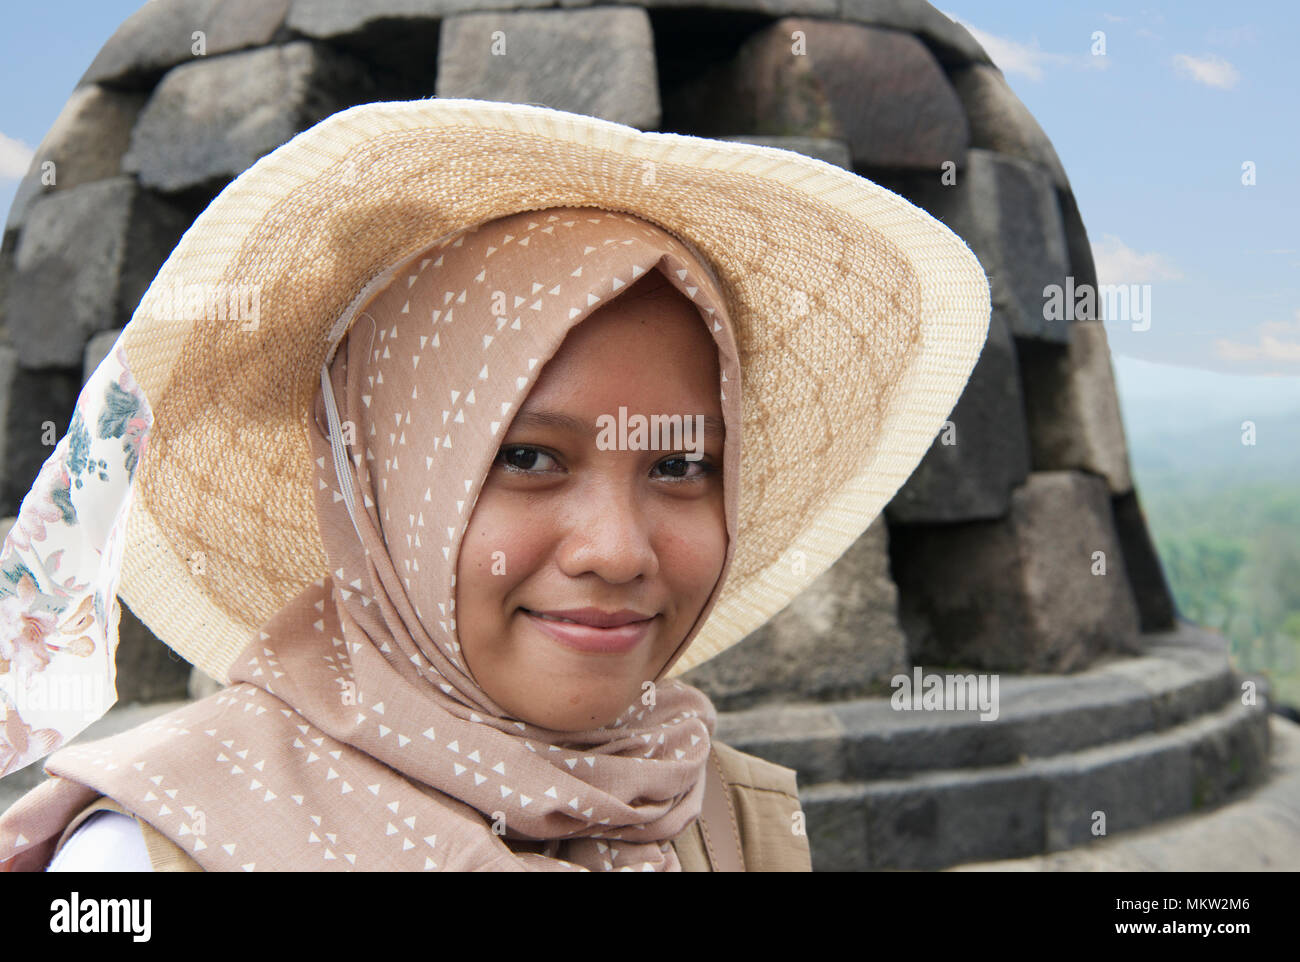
859 319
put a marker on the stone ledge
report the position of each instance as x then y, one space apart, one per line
1182 674
1257 833
936 819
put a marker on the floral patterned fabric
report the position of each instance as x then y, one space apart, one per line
60 568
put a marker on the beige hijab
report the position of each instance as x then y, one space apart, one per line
353 736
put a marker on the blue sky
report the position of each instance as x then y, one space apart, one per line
1153 135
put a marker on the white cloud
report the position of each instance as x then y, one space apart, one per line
1278 341
1139 23
15 158
1010 57
1268 349
1213 71
1117 263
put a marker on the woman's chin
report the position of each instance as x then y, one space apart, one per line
572 716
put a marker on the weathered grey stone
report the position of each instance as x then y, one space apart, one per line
39 410
951 819
328 19
332 18
160 35
1186 672
999 121
1005 811
85 144
156 227
147 670
808 738
97 349
29 188
1038 716
880 91
237 24
1230 758
1259 832
8 377
1073 408
1009 216
214 118
707 8
84 260
1195 766
838 638
836 822
201 685
599 62
1017 230
65 281
832 151
1132 790
1019 594
951 42
1082 267
1006 211
1063 519
396 39
8 251
970 470
1146 574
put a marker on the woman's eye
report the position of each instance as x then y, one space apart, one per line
521 459
678 468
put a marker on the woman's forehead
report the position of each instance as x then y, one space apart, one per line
649 346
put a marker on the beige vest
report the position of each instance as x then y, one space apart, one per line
751 822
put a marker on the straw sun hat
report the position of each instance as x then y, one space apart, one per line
859 318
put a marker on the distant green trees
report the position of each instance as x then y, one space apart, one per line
1231 552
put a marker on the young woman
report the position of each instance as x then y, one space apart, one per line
523 477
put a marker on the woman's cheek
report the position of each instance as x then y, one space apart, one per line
506 541
695 545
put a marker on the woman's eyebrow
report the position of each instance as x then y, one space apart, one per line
713 426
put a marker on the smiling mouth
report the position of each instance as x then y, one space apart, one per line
624 636
591 617
538 614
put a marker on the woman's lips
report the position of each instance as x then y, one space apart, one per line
588 639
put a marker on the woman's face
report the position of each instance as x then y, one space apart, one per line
562 523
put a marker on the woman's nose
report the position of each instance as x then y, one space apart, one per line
609 534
